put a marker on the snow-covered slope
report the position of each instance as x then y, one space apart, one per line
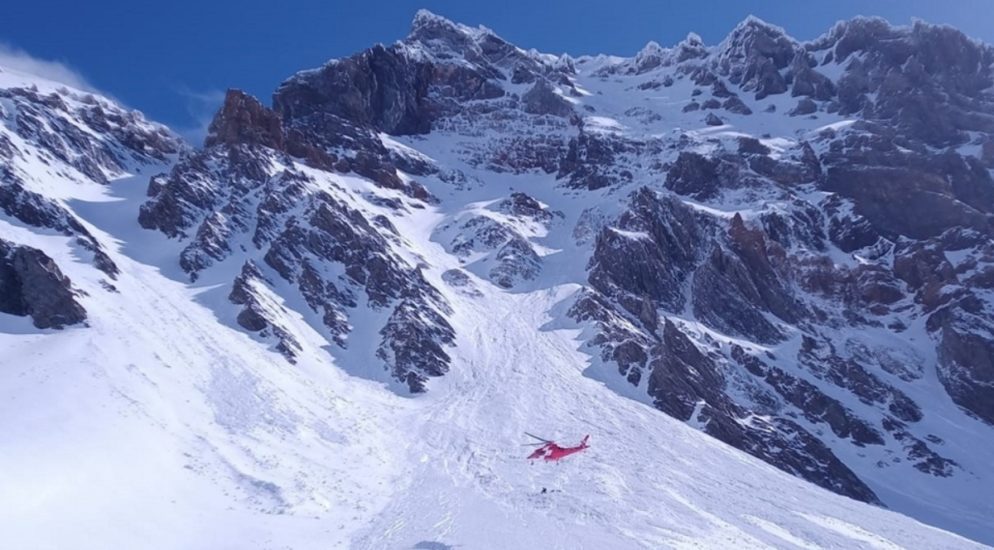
663 252
161 425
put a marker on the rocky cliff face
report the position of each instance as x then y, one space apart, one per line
247 198
786 245
837 233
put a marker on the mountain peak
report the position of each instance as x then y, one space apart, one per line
243 119
756 35
425 18
428 25
753 55
651 48
753 23
650 56
693 39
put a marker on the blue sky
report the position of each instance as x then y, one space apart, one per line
174 59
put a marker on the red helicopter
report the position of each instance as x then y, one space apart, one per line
551 451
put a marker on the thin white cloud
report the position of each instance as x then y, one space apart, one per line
201 106
19 60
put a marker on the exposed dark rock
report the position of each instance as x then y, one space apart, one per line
516 261
528 153
648 255
719 303
691 47
926 460
913 71
542 99
761 257
789 447
413 344
32 284
522 75
694 175
703 178
649 57
966 357
513 255
919 200
589 162
460 280
752 146
911 211
808 82
36 210
682 375
736 289
688 385
524 206
256 314
79 138
735 105
94 137
814 404
711 103
848 231
804 107
784 172
821 359
754 56
378 87
242 120
802 226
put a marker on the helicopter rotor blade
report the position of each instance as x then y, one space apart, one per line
538 438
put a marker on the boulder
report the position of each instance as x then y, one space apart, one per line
31 284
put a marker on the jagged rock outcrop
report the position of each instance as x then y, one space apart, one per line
92 136
403 88
260 312
31 284
379 88
911 71
590 160
247 194
661 257
36 210
542 99
242 120
414 341
524 206
688 384
915 196
648 255
966 355
754 56
499 238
